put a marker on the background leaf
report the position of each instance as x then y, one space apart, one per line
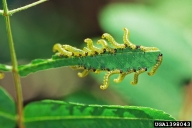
7 110
59 114
161 91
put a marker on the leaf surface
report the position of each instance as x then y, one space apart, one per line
135 59
7 110
59 114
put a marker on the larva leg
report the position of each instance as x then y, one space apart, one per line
84 73
87 51
106 79
92 47
75 51
97 71
137 73
154 69
76 67
126 40
148 49
58 47
122 76
112 41
104 44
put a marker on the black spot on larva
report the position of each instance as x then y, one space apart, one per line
115 50
86 53
137 46
160 54
125 45
80 55
111 52
121 71
107 69
134 70
145 69
104 50
96 52
94 70
72 54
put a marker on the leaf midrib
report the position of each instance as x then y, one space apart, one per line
9 116
85 117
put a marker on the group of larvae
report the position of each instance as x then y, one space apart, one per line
90 50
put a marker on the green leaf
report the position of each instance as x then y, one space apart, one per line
7 110
58 114
5 67
43 64
135 59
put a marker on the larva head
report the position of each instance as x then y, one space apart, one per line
105 35
56 47
126 31
88 40
102 87
102 42
133 82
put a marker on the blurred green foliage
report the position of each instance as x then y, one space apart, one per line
149 28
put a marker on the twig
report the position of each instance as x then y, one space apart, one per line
11 12
15 66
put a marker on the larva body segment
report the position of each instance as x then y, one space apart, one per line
91 47
120 59
126 39
112 41
75 51
61 51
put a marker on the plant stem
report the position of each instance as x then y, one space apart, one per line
14 66
26 7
